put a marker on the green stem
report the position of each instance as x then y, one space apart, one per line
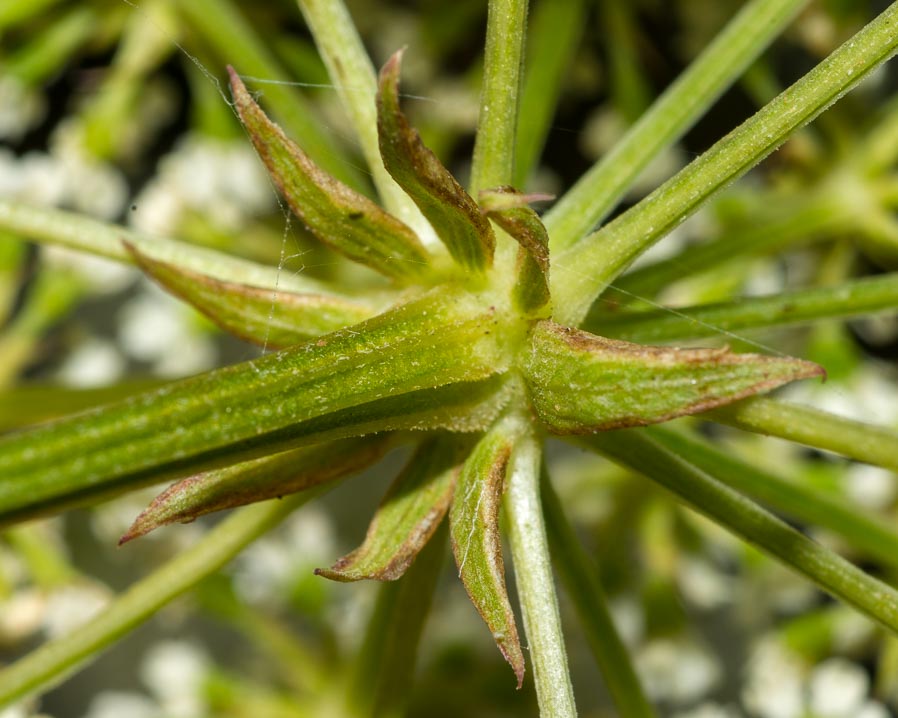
351 71
582 272
13 12
554 36
813 427
494 146
51 49
817 218
859 530
68 229
739 515
673 113
581 581
863 296
52 661
536 585
221 24
386 664
628 87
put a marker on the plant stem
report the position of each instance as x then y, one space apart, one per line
351 71
583 271
494 146
52 661
41 58
386 664
638 451
76 231
860 530
738 44
820 217
220 24
554 36
536 585
862 296
582 584
855 439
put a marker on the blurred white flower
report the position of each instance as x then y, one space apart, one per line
268 568
628 618
870 486
709 710
702 584
870 394
93 187
264 570
174 672
118 704
155 327
34 177
21 614
773 684
21 108
837 688
871 709
224 181
73 605
103 276
678 671
94 362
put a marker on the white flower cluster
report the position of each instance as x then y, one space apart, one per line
174 672
779 686
21 108
222 181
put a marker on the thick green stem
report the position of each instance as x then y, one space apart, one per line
386 665
494 147
595 194
864 442
859 529
581 582
53 661
739 515
352 73
536 585
76 231
863 296
583 271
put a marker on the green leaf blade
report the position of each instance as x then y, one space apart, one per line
268 317
407 518
474 530
580 382
338 216
442 200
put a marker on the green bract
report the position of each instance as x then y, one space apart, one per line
470 350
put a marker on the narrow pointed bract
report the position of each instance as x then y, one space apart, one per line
509 209
408 516
268 317
581 383
337 215
268 478
474 527
442 200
